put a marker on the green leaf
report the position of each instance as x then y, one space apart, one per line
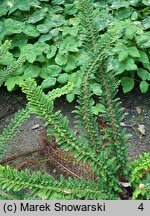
70 97
123 55
134 52
98 108
54 70
70 31
31 31
63 78
52 51
32 71
144 86
10 83
143 74
130 65
127 83
71 63
144 57
130 31
134 15
48 82
7 59
45 37
96 88
45 27
142 39
60 59
29 51
36 16
69 44
146 23
19 40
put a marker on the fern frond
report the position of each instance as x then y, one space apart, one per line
115 135
89 29
10 69
140 167
46 187
4 48
85 116
56 93
10 131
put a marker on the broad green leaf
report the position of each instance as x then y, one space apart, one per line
146 44
119 4
10 83
98 108
61 59
37 16
142 39
70 97
32 71
130 31
45 37
144 86
130 65
45 27
127 84
71 63
51 52
143 74
41 47
54 70
63 78
30 30
70 31
144 57
70 9
29 51
12 26
69 44
96 88
7 59
123 55
48 82
19 40
134 52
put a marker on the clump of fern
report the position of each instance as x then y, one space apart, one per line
105 152
140 177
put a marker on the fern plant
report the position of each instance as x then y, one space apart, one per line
140 177
101 153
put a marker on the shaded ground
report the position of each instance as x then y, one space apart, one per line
29 137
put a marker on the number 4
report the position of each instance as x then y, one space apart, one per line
141 207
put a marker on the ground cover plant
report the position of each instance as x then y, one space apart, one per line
48 33
101 156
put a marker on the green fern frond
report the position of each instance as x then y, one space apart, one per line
4 48
140 167
10 131
10 69
56 93
116 138
46 187
89 29
84 114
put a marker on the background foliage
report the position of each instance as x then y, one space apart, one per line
48 33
